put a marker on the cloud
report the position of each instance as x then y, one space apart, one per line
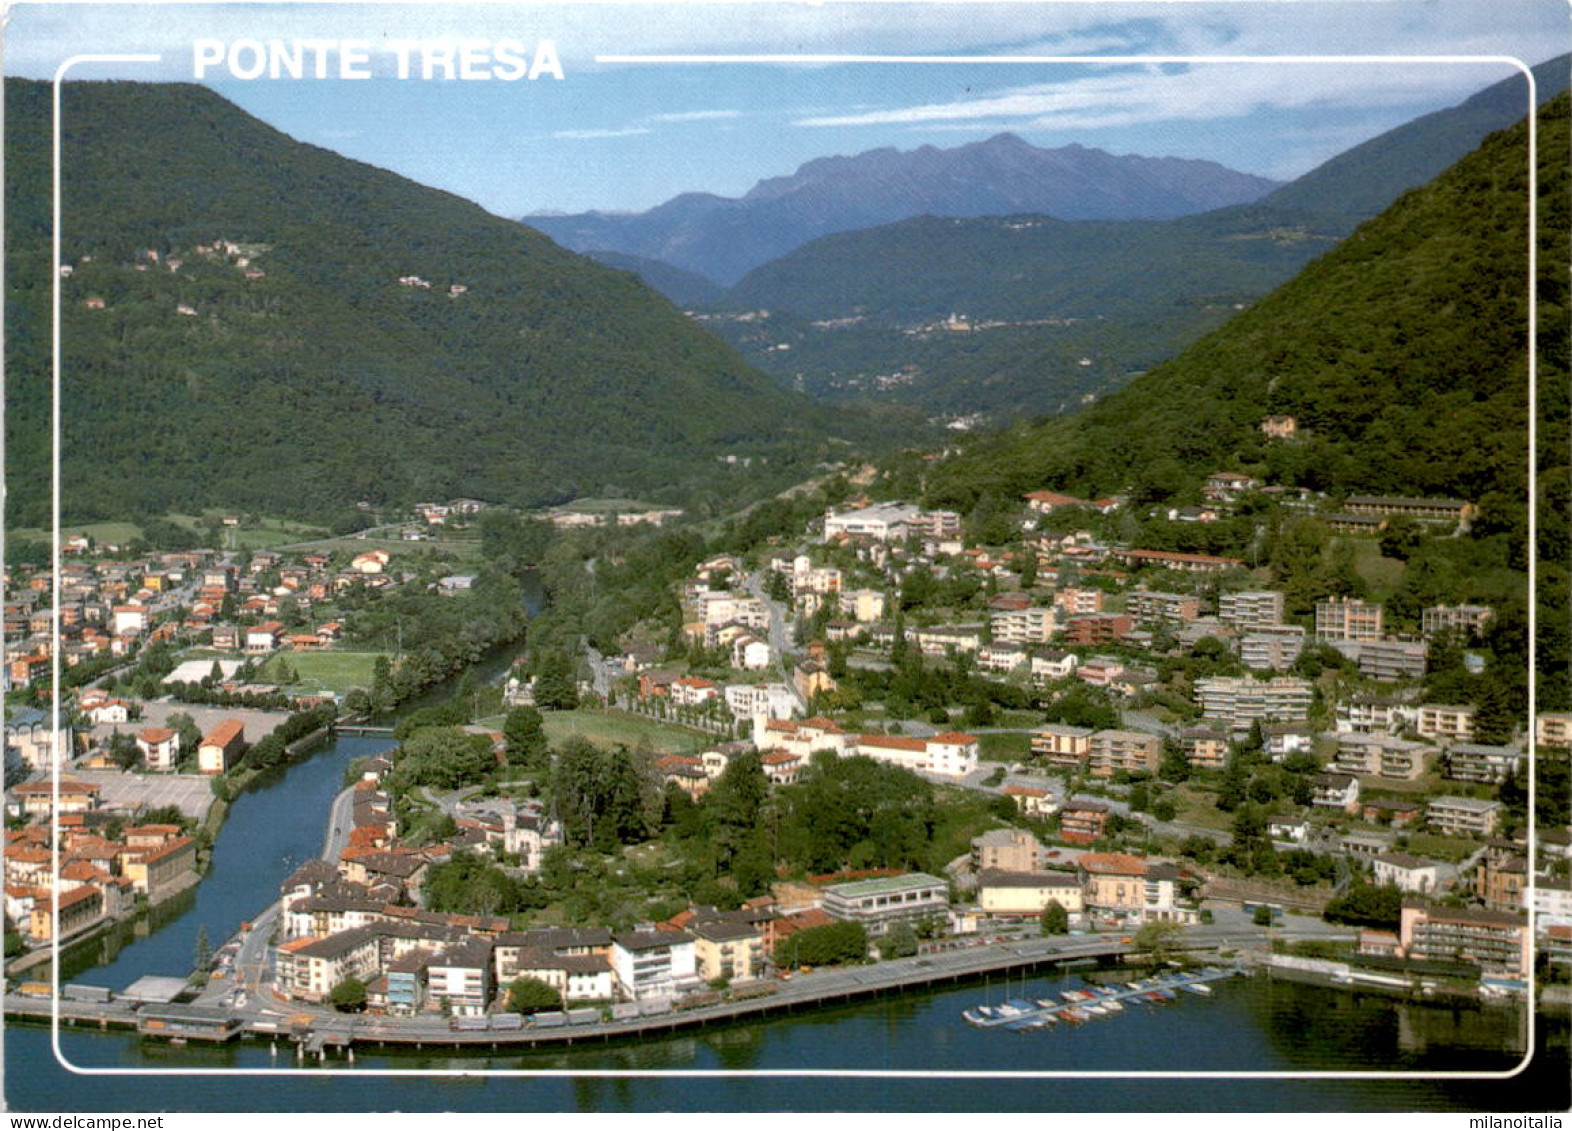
698 116
590 135
1146 94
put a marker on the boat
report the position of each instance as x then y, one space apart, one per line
1200 988
1095 1010
1113 1006
1074 1015
1027 1024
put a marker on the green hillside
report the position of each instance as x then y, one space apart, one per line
1365 179
237 334
1401 354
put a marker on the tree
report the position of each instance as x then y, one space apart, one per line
202 955
124 751
1055 919
531 995
348 996
190 734
556 688
1158 939
1401 538
1262 916
823 946
900 942
525 733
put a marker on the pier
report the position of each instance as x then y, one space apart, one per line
1078 1005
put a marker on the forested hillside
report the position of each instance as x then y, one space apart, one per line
1402 355
255 323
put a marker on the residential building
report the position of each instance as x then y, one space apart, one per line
1102 628
1061 746
879 904
1347 618
1553 728
1007 850
1448 722
1046 502
1112 881
1279 427
1133 751
1239 701
1021 626
1406 872
771 700
1497 942
1188 563
1283 739
160 748
1205 746
1454 511
1149 605
221 747
458 979
729 949
1500 877
1054 665
1031 801
1467 621
654 964
1476 762
889 522
1252 608
1082 822
1271 647
1006 894
1336 791
865 606
1463 816
1375 714
308 968
1078 602
1386 659
1381 756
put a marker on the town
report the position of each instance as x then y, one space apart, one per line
871 729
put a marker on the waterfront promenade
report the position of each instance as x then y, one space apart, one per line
318 1028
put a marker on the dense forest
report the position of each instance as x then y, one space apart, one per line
255 323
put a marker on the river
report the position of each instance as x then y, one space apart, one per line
1248 1025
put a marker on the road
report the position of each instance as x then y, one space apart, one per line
341 822
778 638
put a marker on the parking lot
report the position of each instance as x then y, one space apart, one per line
192 793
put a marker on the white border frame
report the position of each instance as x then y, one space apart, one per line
883 1074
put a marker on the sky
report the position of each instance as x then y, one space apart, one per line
624 135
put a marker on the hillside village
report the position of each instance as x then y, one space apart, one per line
1135 735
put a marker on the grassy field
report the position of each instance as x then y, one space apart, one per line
1440 847
1004 747
607 728
263 533
1199 807
327 671
114 532
1380 573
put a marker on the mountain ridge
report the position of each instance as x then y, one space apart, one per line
723 237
